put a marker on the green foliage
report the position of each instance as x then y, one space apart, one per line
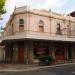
46 60
46 57
2 4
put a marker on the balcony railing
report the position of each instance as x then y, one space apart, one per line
39 35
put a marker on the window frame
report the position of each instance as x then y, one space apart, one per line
58 29
41 26
21 21
21 24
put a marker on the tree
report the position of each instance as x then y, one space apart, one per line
2 4
2 10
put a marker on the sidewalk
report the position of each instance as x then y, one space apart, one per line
22 67
17 67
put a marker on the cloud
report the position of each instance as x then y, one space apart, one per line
10 4
54 3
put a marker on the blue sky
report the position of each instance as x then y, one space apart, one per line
62 6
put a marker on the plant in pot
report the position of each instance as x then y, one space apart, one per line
46 60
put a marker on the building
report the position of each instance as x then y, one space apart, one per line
31 33
2 52
72 14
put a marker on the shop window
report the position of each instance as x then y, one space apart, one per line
59 51
40 48
41 44
74 51
41 26
58 30
40 51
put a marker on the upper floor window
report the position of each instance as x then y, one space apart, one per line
41 26
58 29
41 23
21 21
21 24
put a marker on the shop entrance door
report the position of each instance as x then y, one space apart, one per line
21 53
59 54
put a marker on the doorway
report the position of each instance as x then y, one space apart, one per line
59 53
21 53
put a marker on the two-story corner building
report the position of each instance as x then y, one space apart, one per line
31 33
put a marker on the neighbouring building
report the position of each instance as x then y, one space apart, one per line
72 14
30 33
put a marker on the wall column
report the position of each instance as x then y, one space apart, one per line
26 53
15 52
73 52
29 55
50 49
53 50
66 52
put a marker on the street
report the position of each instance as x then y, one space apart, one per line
63 70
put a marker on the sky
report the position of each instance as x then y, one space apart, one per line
60 6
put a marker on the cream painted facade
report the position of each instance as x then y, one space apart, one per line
32 17
31 25
14 39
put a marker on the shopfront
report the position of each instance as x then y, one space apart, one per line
14 52
40 48
30 51
60 52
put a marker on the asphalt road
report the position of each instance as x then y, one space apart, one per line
63 70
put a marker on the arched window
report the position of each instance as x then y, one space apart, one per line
41 23
21 21
21 24
41 26
58 29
